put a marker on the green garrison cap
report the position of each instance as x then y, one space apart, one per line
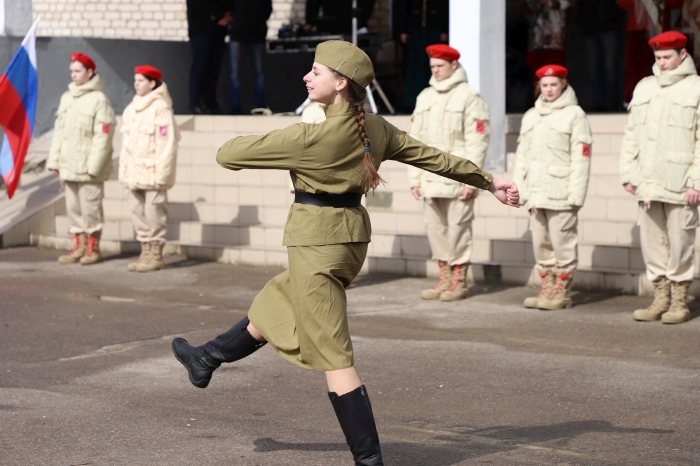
346 59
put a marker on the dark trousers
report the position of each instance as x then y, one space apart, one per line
207 55
418 63
602 66
255 52
638 61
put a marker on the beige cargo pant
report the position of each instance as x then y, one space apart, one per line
149 214
667 233
84 206
555 240
449 225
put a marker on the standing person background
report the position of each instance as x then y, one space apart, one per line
147 163
552 167
420 23
206 26
247 33
451 116
302 312
547 44
602 22
337 16
81 154
660 165
637 63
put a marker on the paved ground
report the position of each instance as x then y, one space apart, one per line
87 376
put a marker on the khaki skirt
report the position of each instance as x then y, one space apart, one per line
302 312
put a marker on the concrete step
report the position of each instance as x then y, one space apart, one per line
506 272
498 240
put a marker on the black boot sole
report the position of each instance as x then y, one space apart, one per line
198 384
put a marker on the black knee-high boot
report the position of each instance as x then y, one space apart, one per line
201 361
354 413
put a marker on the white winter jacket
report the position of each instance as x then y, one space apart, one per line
451 116
553 160
149 147
661 147
83 133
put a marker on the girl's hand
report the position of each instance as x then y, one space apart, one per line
506 192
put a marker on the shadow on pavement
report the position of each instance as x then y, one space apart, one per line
403 453
457 444
184 263
583 298
267 445
121 255
375 279
563 431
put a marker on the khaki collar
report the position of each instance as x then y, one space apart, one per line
339 110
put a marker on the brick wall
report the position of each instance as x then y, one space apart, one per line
123 19
154 19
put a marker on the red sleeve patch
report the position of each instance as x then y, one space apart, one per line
586 151
480 126
105 128
163 131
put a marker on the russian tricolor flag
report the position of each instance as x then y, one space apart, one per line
19 87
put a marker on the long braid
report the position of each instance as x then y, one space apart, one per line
357 96
372 178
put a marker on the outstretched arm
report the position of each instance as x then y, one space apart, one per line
277 150
505 191
408 150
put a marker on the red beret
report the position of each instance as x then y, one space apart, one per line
149 71
668 40
552 70
84 59
442 51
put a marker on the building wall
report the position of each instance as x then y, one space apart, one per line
154 19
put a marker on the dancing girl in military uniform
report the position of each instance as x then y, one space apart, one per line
302 312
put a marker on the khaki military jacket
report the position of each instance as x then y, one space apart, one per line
83 133
149 142
452 116
661 146
328 157
553 159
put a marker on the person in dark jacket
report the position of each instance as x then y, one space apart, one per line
603 22
247 33
419 23
207 21
337 16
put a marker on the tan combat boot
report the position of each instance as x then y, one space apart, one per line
154 260
662 300
559 297
145 250
458 287
547 285
442 285
678 312
77 252
92 250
